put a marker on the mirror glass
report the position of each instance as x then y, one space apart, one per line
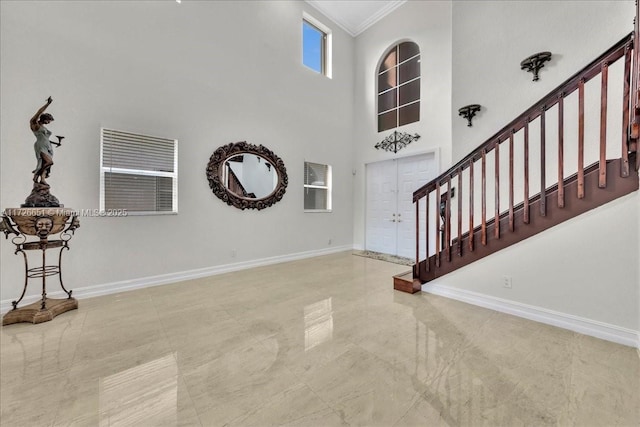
247 176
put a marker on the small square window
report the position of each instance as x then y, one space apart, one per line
316 46
317 187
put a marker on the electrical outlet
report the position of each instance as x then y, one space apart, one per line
233 253
506 282
330 241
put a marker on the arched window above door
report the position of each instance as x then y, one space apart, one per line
399 86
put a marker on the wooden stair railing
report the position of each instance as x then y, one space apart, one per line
234 185
514 218
634 137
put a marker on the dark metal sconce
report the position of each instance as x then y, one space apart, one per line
533 63
469 112
396 141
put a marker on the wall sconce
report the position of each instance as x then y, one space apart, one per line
533 63
468 112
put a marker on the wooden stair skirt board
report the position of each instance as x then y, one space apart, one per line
593 198
405 282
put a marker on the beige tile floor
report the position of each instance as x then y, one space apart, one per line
317 342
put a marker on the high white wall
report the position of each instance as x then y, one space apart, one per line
586 267
427 23
491 38
205 73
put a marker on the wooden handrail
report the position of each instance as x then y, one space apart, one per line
233 183
570 85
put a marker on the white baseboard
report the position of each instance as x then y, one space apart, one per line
163 279
578 324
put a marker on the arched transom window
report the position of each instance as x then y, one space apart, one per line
399 87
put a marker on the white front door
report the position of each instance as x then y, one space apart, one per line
390 212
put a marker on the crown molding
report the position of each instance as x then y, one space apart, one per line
366 22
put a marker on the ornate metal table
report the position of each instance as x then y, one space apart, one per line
41 223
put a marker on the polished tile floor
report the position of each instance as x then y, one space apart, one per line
318 342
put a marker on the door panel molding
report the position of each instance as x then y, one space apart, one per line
389 209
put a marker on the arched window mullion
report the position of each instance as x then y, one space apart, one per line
398 88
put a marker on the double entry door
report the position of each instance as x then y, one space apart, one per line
390 212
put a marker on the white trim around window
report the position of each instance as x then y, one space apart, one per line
328 43
318 183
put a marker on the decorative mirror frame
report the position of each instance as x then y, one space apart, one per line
222 154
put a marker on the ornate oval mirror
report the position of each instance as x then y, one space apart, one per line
247 176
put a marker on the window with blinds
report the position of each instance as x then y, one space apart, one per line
317 187
138 173
399 87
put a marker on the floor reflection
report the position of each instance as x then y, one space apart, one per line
318 323
144 395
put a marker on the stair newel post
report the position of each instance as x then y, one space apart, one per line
543 163
602 174
496 221
483 236
460 212
626 132
526 171
471 206
635 92
448 220
417 203
438 231
426 228
561 150
581 139
511 217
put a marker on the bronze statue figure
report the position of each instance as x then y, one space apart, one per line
42 146
40 195
44 217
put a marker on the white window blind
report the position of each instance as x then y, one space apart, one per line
138 173
317 187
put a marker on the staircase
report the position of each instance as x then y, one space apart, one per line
553 162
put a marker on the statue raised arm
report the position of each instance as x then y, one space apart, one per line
42 146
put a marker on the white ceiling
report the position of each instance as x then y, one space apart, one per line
355 16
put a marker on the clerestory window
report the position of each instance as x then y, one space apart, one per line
399 87
316 46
